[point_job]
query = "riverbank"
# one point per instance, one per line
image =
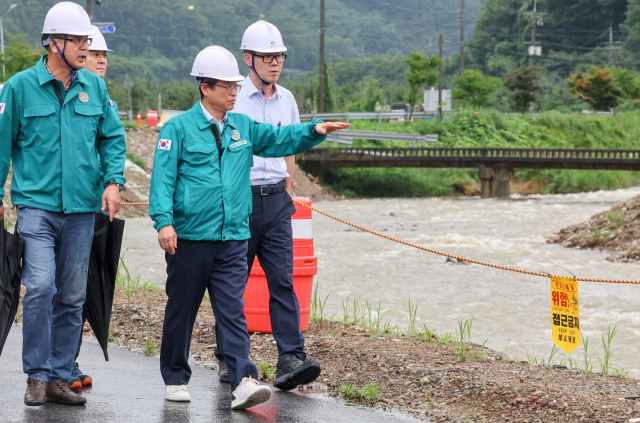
(615, 231)
(428, 375)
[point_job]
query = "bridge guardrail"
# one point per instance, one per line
(346, 116)
(346, 136)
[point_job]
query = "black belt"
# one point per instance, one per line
(269, 189)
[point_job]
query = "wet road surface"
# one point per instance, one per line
(129, 388)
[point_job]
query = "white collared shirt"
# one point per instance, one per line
(212, 119)
(279, 110)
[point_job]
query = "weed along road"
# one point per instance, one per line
(129, 392)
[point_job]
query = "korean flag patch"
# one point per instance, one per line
(2, 107)
(164, 145)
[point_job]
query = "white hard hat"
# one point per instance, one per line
(67, 18)
(263, 37)
(98, 43)
(218, 63)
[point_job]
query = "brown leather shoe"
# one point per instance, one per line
(36, 392)
(60, 393)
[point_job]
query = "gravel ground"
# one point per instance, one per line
(421, 377)
(616, 230)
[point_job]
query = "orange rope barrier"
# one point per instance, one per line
(495, 266)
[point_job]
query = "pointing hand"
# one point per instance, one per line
(329, 127)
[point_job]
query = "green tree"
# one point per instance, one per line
(420, 74)
(20, 55)
(371, 96)
(628, 81)
(329, 101)
(597, 87)
(523, 83)
(474, 88)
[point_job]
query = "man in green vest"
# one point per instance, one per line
(54, 119)
(200, 200)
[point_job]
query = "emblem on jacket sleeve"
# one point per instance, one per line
(2, 107)
(235, 135)
(84, 97)
(164, 145)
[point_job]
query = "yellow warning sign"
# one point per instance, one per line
(565, 316)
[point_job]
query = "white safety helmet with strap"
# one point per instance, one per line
(67, 18)
(217, 63)
(98, 43)
(262, 37)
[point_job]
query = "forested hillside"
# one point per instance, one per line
(159, 38)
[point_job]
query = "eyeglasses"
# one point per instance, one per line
(280, 58)
(77, 41)
(230, 88)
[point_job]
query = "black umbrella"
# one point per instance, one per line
(11, 247)
(101, 280)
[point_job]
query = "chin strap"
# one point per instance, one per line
(64, 47)
(253, 68)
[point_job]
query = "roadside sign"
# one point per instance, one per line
(128, 83)
(106, 27)
(565, 315)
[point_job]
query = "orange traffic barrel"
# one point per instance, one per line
(152, 118)
(139, 119)
(305, 266)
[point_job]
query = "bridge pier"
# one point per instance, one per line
(495, 182)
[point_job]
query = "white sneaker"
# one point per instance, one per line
(177, 393)
(249, 393)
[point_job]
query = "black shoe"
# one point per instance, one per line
(291, 372)
(223, 373)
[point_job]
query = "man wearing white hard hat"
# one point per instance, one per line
(53, 118)
(95, 62)
(200, 200)
(271, 178)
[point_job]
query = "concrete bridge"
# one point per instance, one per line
(495, 165)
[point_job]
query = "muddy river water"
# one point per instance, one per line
(511, 311)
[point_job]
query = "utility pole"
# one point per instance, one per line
(440, 80)
(322, 70)
(462, 38)
(362, 66)
(333, 79)
(88, 8)
(535, 13)
(612, 61)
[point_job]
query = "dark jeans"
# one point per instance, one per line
(221, 268)
(272, 241)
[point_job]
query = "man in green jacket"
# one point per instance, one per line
(54, 118)
(200, 200)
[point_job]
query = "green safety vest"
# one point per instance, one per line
(54, 148)
(204, 197)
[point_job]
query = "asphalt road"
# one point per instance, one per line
(129, 388)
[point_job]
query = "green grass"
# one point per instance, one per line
(137, 160)
(132, 284)
(368, 393)
(546, 130)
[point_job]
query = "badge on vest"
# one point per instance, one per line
(235, 135)
(164, 145)
(238, 144)
(84, 97)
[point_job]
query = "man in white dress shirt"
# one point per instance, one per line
(271, 236)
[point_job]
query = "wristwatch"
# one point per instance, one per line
(112, 182)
